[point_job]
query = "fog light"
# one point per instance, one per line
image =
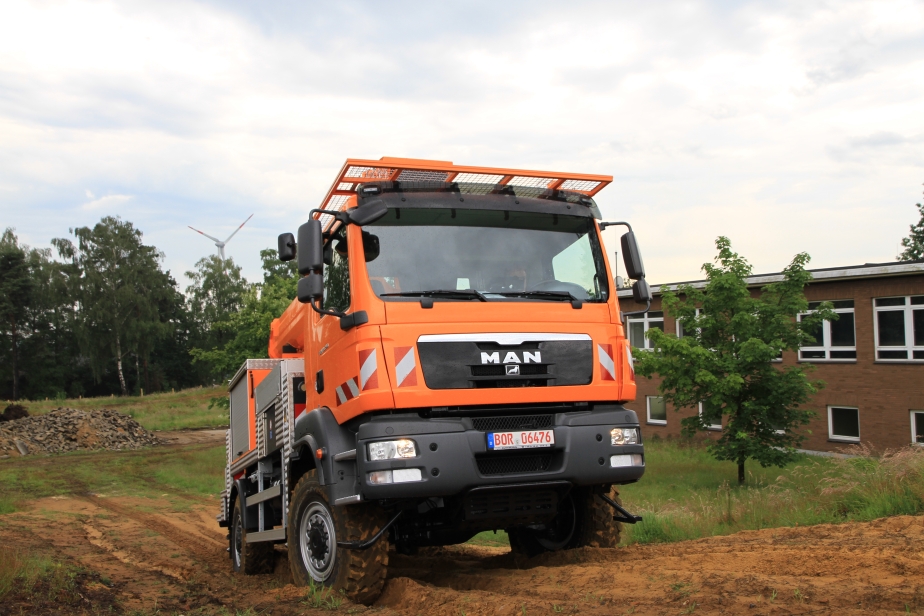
(624, 436)
(388, 450)
(626, 459)
(398, 475)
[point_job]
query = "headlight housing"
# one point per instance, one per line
(389, 450)
(624, 436)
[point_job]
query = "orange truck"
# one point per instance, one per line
(455, 363)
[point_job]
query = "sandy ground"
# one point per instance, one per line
(164, 558)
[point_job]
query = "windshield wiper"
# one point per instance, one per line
(555, 295)
(446, 293)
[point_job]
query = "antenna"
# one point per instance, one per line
(218, 243)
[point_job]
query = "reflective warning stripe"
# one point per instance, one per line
(347, 391)
(607, 366)
(631, 362)
(368, 369)
(405, 366)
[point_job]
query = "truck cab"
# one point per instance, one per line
(455, 362)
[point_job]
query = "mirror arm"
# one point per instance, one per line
(332, 313)
(627, 314)
(604, 225)
(347, 320)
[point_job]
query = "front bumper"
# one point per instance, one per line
(453, 456)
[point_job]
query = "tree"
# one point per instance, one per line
(16, 293)
(217, 291)
(250, 326)
(914, 243)
(725, 359)
(118, 284)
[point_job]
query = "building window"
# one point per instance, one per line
(917, 427)
(899, 328)
(657, 410)
(844, 424)
(834, 340)
(712, 420)
(680, 332)
(639, 326)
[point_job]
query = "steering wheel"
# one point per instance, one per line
(576, 290)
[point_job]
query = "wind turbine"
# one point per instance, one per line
(218, 242)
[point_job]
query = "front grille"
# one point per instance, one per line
(514, 464)
(516, 422)
(508, 382)
(516, 503)
(498, 370)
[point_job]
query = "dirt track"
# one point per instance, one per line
(159, 558)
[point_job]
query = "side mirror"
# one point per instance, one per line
(311, 287)
(641, 292)
(311, 244)
(371, 248)
(632, 256)
(368, 212)
(286, 247)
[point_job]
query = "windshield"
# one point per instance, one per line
(484, 255)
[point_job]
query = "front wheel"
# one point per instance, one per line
(314, 530)
(584, 520)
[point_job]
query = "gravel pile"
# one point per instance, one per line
(69, 430)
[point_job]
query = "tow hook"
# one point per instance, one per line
(365, 545)
(626, 517)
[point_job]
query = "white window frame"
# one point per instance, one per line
(715, 427)
(657, 422)
(826, 340)
(678, 326)
(838, 437)
(913, 431)
(909, 347)
(647, 321)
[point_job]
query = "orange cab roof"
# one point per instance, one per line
(387, 168)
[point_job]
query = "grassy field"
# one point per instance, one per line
(184, 409)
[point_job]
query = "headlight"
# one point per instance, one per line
(387, 450)
(624, 436)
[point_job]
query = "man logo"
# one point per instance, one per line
(511, 358)
(513, 370)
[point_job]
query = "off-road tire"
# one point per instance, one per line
(358, 574)
(593, 526)
(248, 558)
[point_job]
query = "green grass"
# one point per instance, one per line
(686, 494)
(22, 572)
(196, 471)
(491, 539)
(184, 409)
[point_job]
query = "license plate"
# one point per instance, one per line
(521, 439)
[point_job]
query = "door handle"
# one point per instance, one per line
(319, 382)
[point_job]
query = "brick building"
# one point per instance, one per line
(871, 358)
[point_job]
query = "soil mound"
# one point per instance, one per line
(69, 430)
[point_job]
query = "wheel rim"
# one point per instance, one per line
(318, 542)
(561, 530)
(237, 537)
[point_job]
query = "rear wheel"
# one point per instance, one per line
(248, 558)
(584, 520)
(314, 530)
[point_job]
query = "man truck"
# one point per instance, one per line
(455, 362)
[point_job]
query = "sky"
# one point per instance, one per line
(786, 126)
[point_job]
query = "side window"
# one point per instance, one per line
(710, 418)
(834, 340)
(917, 427)
(639, 326)
(337, 274)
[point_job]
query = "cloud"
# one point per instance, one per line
(106, 204)
(781, 124)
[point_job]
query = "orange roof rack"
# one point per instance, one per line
(389, 169)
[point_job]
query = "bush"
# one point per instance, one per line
(14, 411)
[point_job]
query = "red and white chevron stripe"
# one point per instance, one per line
(405, 366)
(368, 369)
(347, 391)
(607, 365)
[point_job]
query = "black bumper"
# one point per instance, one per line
(453, 457)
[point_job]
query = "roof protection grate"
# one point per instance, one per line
(479, 180)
